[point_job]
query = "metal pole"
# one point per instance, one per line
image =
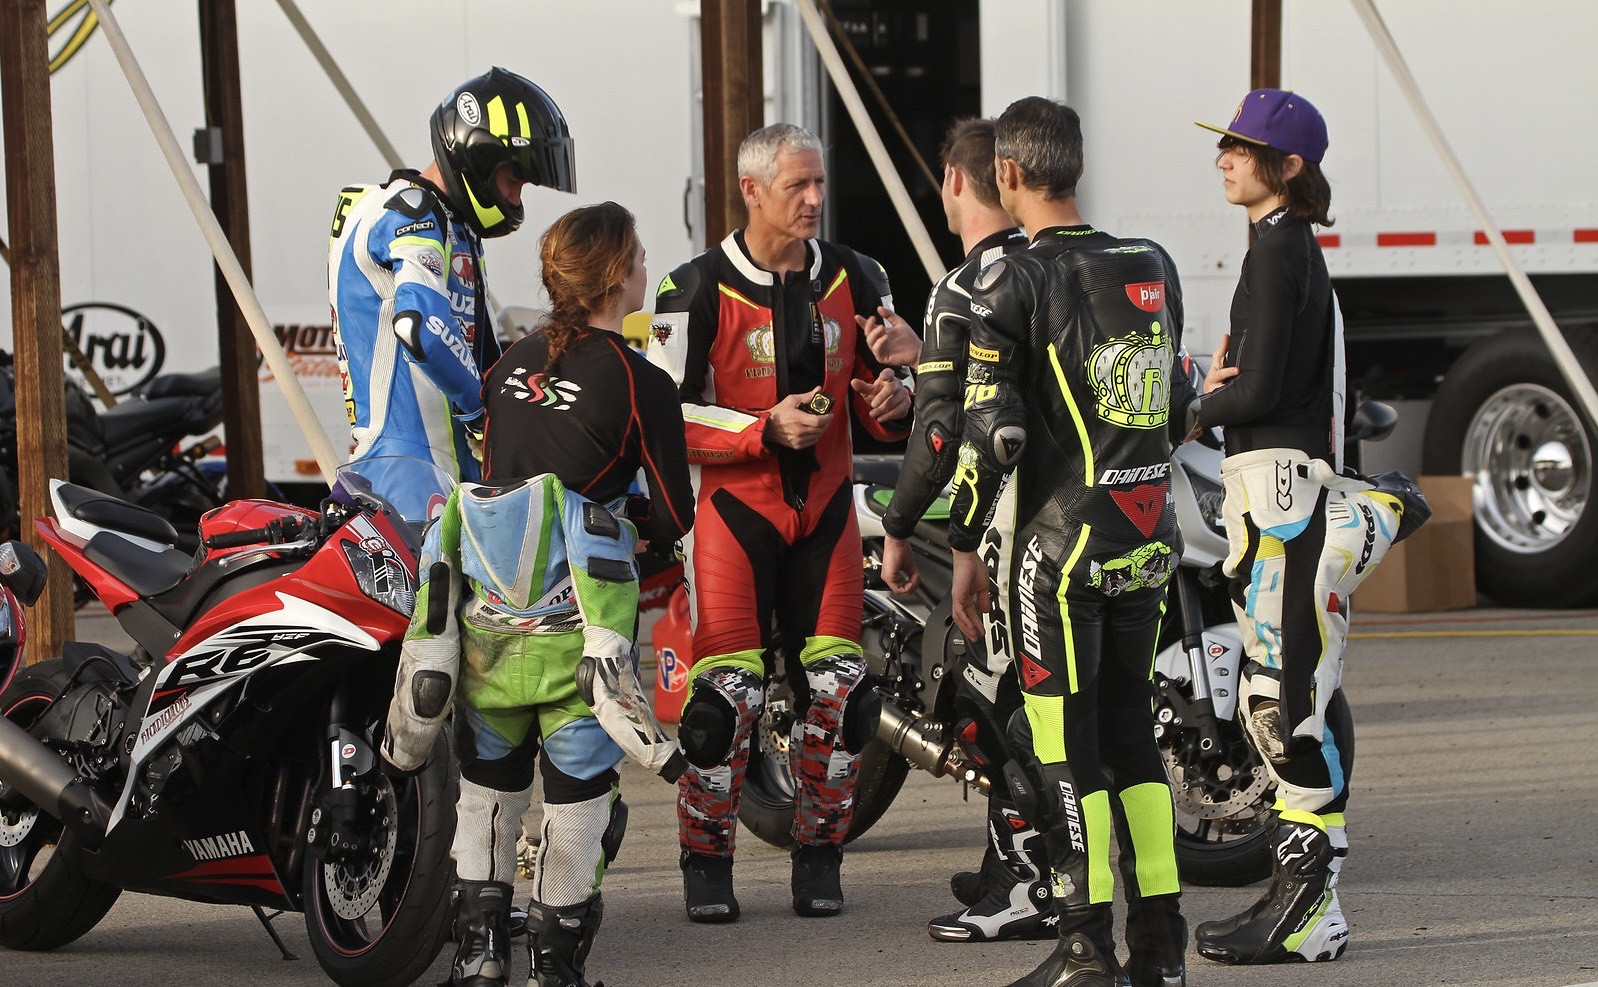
(1569, 366)
(254, 315)
(906, 209)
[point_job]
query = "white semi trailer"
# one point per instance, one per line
(1433, 323)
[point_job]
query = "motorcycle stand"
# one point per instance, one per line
(266, 923)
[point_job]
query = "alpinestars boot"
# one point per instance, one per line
(707, 887)
(558, 941)
(482, 916)
(1298, 919)
(816, 884)
(1014, 902)
(1084, 955)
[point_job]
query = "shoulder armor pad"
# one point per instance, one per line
(989, 277)
(677, 289)
(412, 202)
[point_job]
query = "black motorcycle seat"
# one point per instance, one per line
(139, 419)
(106, 511)
(880, 470)
(201, 384)
(145, 571)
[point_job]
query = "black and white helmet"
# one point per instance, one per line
(499, 119)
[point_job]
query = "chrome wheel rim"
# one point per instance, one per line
(1529, 457)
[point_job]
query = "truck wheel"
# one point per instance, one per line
(1505, 416)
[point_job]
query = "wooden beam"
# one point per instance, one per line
(241, 398)
(35, 298)
(1265, 45)
(733, 101)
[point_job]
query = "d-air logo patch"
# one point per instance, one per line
(661, 331)
(1147, 295)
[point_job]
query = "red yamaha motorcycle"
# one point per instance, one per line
(231, 757)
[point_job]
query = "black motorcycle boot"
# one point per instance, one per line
(1299, 919)
(558, 941)
(1156, 939)
(1015, 903)
(707, 887)
(482, 919)
(1156, 933)
(1084, 956)
(816, 883)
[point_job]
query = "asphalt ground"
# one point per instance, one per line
(1474, 854)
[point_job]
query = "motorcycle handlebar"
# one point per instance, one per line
(275, 532)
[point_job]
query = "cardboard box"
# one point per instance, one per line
(1434, 568)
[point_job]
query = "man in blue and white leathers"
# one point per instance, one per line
(410, 311)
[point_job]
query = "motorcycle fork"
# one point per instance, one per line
(1202, 707)
(335, 831)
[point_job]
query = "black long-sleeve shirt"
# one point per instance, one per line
(604, 413)
(1282, 344)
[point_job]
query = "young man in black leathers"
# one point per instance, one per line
(1069, 382)
(1008, 897)
(1301, 534)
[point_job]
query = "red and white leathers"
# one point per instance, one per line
(776, 536)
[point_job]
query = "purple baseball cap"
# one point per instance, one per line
(1279, 119)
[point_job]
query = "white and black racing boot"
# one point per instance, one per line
(558, 942)
(482, 918)
(1014, 900)
(1299, 919)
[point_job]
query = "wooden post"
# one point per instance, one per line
(733, 104)
(35, 298)
(1265, 45)
(241, 398)
(1264, 53)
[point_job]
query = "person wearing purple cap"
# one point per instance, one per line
(1276, 385)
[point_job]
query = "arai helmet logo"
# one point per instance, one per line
(466, 106)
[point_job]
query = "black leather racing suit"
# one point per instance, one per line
(1069, 383)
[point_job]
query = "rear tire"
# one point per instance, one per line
(377, 923)
(43, 904)
(1505, 416)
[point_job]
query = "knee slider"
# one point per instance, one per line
(722, 699)
(841, 676)
(431, 692)
(615, 831)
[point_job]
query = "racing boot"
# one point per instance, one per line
(482, 919)
(1299, 917)
(558, 941)
(968, 886)
(816, 885)
(1014, 902)
(1156, 933)
(1084, 955)
(707, 887)
(1156, 938)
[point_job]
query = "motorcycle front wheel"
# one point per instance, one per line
(769, 792)
(379, 917)
(44, 903)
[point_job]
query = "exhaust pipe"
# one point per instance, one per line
(39, 775)
(927, 744)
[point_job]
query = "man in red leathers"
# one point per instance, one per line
(760, 334)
